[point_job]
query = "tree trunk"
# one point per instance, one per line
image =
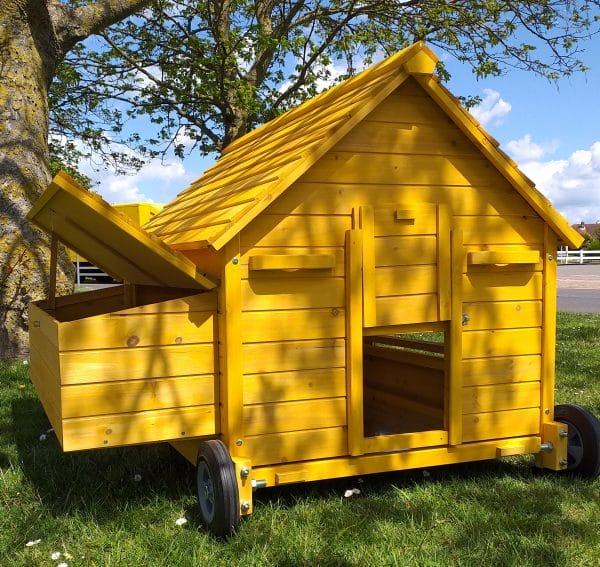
(28, 59)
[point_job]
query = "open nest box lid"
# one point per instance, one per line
(91, 227)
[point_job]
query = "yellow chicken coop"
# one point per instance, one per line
(366, 283)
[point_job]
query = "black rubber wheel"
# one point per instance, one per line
(583, 450)
(216, 487)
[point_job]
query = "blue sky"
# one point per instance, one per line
(552, 130)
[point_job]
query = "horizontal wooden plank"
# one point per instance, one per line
(141, 427)
(149, 302)
(405, 250)
(379, 168)
(404, 219)
(291, 262)
(293, 355)
(404, 361)
(414, 440)
(83, 400)
(387, 135)
(499, 370)
(509, 249)
(299, 324)
(500, 397)
(404, 108)
(294, 386)
(296, 230)
(495, 197)
(289, 292)
(337, 270)
(486, 257)
(405, 280)
(502, 315)
(262, 419)
(504, 342)
(405, 309)
(294, 446)
(506, 286)
(507, 229)
(117, 331)
(81, 367)
(501, 424)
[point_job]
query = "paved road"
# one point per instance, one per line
(579, 288)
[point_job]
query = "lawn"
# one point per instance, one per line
(120, 507)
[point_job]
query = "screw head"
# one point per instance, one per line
(564, 462)
(238, 442)
(235, 261)
(244, 472)
(245, 506)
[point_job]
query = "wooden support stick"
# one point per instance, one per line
(52, 275)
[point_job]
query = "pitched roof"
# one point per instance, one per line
(258, 167)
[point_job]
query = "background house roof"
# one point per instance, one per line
(258, 167)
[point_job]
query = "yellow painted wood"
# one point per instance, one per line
(367, 226)
(444, 263)
(405, 250)
(549, 326)
(438, 326)
(500, 370)
(505, 286)
(399, 220)
(406, 309)
(124, 249)
(120, 331)
(419, 360)
(320, 469)
(499, 397)
(406, 280)
(501, 162)
(406, 138)
(454, 369)
(495, 197)
(336, 253)
(372, 168)
(299, 324)
(509, 250)
(355, 295)
(140, 427)
(501, 424)
(503, 257)
(111, 365)
(291, 262)
(416, 440)
(503, 315)
(268, 387)
(285, 291)
(423, 63)
(230, 352)
(134, 396)
(301, 230)
(294, 416)
(294, 355)
(501, 230)
(292, 446)
(503, 342)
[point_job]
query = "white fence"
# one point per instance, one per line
(566, 256)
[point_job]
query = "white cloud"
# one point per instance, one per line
(492, 110)
(525, 149)
(572, 184)
(156, 181)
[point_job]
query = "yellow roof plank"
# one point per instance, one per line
(95, 230)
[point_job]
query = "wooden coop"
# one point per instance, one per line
(366, 283)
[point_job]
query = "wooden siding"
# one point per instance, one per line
(293, 323)
(503, 335)
(142, 374)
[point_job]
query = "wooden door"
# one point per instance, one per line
(406, 264)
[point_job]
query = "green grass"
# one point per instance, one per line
(89, 505)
